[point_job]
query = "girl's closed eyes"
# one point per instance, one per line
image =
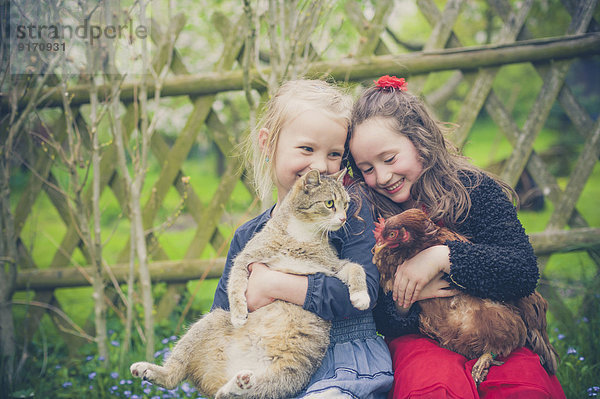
(390, 159)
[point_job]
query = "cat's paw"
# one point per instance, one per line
(360, 300)
(143, 371)
(244, 380)
(237, 386)
(238, 320)
(238, 313)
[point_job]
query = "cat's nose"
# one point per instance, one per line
(343, 220)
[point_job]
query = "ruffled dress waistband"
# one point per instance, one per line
(351, 328)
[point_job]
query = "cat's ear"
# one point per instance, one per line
(339, 176)
(311, 179)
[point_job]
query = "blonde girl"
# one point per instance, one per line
(305, 127)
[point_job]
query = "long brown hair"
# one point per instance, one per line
(439, 187)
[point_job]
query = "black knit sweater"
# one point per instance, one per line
(498, 263)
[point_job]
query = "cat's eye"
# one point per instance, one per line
(329, 204)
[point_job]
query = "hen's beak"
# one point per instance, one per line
(377, 248)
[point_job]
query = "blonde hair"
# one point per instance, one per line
(439, 187)
(291, 99)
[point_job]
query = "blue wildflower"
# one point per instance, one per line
(147, 391)
(173, 338)
(92, 375)
(67, 384)
(114, 375)
(185, 387)
(127, 393)
(146, 382)
(122, 382)
(561, 336)
(91, 387)
(115, 343)
(58, 366)
(88, 358)
(165, 340)
(585, 319)
(581, 358)
(571, 351)
(101, 358)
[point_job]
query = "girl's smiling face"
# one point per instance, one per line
(312, 140)
(389, 162)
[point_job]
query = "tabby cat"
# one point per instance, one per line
(272, 352)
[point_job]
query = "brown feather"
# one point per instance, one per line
(465, 324)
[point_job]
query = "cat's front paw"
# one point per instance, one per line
(238, 320)
(143, 371)
(360, 300)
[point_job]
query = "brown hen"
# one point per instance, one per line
(472, 326)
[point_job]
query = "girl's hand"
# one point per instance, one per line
(417, 272)
(437, 288)
(257, 294)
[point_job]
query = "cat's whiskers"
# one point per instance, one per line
(323, 228)
(346, 229)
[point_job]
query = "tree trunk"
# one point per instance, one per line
(99, 284)
(8, 273)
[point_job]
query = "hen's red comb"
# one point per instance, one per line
(379, 228)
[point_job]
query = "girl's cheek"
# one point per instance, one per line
(334, 166)
(370, 180)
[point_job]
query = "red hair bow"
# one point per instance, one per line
(391, 82)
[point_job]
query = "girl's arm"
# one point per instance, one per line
(499, 263)
(266, 285)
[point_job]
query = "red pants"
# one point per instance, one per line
(422, 369)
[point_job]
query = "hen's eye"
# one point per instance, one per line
(329, 204)
(393, 234)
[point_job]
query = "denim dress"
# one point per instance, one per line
(357, 363)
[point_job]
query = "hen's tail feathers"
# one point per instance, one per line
(533, 311)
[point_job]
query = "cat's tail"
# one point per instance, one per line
(533, 312)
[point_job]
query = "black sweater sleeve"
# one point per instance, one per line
(499, 263)
(392, 324)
